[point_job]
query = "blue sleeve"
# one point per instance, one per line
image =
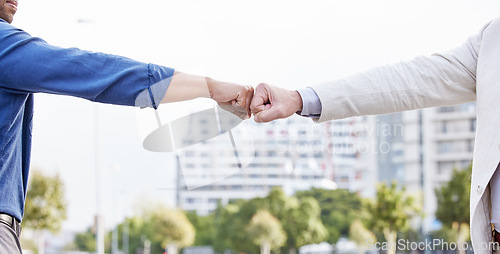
(311, 104)
(30, 65)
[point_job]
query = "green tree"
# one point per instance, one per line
(304, 226)
(159, 226)
(266, 231)
(300, 220)
(230, 222)
(339, 208)
(137, 231)
(455, 193)
(86, 241)
(172, 229)
(391, 212)
(361, 235)
(45, 207)
(204, 227)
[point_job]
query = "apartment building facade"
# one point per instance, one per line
(294, 154)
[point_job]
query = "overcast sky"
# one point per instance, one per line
(290, 44)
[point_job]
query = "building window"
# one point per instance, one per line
(213, 200)
(473, 125)
(470, 145)
(444, 147)
(191, 200)
(464, 164)
(256, 187)
(444, 167)
(444, 127)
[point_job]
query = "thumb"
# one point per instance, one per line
(260, 108)
(268, 115)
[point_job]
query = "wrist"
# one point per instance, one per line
(211, 85)
(296, 101)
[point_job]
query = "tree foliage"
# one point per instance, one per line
(159, 225)
(227, 228)
(230, 224)
(300, 219)
(339, 208)
(304, 226)
(172, 227)
(204, 227)
(137, 231)
(455, 193)
(86, 241)
(45, 207)
(391, 212)
(361, 235)
(266, 231)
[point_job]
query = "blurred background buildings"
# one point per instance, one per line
(418, 149)
(293, 154)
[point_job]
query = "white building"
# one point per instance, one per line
(431, 143)
(294, 154)
(448, 134)
(417, 148)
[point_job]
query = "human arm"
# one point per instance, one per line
(30, 65)
(231, 97)
(437, 80)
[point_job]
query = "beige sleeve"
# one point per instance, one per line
(441, 79)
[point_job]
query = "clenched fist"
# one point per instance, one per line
(270, 103)
(231, 97)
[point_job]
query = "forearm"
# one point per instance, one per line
(230, 96)
(421, 83)
(437, 80)
(186, 87)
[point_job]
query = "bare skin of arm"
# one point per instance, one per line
(232, 97)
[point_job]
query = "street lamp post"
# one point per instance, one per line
(98, 172)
